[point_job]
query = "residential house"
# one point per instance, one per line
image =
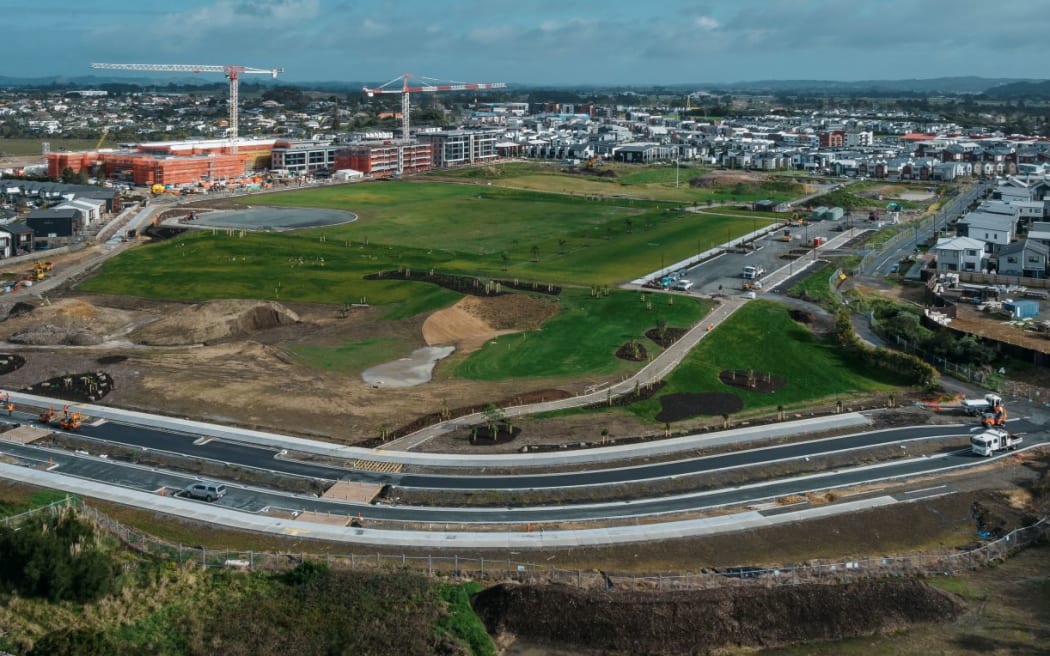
(1027, 258)
(21, 238)
(995, 230)
(52, 227)
(959, 254)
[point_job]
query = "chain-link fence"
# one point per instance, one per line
(51, 509)
(943, 562)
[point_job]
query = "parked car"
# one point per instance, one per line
(205, 491)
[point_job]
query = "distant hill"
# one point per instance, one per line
(1027, 89)
(968, 84)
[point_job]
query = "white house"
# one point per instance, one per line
(959, 254)
(995, 230)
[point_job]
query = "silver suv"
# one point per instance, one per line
(206, 491)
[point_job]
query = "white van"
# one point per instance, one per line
(682, 285)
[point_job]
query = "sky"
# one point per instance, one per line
(556, 42)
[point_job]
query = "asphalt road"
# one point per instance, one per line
(197, 446)
(256, 500)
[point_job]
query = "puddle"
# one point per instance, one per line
(408, 372)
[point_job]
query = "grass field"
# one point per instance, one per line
(583, 337)
(656, 182)
(448, 228)
(25, 147)
(813, 369)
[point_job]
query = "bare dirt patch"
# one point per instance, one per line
(473, 320)
(684, 405)
(700, 622)
(632, 351)
(213, 321)
(68, 321)
(726, 178)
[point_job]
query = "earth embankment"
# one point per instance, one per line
(703, 621)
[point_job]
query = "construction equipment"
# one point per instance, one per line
(785, 236)
(427, 85)
(70, 421)
(48, 416)
(993, 440)
(995, 417)
(232, 73)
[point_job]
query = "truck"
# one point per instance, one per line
(752, 272)
(992, 441)
(981, 406)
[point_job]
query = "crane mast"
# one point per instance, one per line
(427, 86)
(231, 72)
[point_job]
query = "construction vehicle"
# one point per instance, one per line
(995, 417)
(785, 236)
(994, 440)
(981, 406)
(751, 272)
(48, 416)
(70, 421)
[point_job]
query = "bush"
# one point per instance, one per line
(56, 558)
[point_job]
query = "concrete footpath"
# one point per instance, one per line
(651, 373)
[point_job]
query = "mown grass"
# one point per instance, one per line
(352, 356)
(656, 182)
(423, 227)
(815, 287)
(24, 147)
(582, 337)
(761, 336)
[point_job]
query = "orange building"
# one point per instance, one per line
(381, 159)
(166, 162)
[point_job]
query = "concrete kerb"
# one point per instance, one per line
(276, 441)
(235, 519)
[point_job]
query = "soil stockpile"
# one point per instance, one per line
(213, 321)
(699, 622)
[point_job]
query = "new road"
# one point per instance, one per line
(244, 455)
(256, 500)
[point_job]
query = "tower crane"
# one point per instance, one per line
(427, 84)
(232, 73)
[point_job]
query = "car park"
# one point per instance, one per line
(205, 491)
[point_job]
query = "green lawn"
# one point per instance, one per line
(812, 368)
(582, 337)
(655, 182)
(352, 356)
(24, 147)
(448, 228)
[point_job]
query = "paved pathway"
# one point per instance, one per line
(655, 371)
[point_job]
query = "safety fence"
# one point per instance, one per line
(53, 508)
(928, 563)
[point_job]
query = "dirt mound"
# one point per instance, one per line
(70, 322)
(19, 309)
(51, 335)
(726, 178)
(702, 621)
(684, 405)
(213, 321)
(474, 320)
